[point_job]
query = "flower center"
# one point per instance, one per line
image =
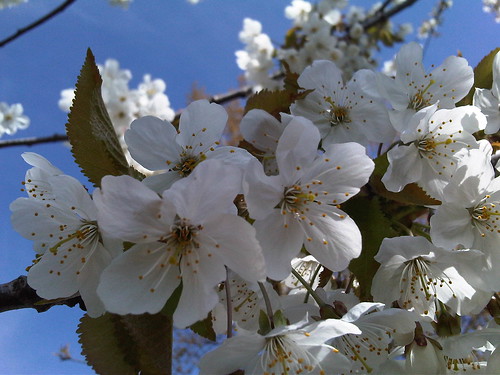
(283, 356)
(337, 114)
(87, 232)
(181, 239)
(187, 163)
(419, 101)
(294, 198)
(485, 216)
(420, 277)
(428, 146)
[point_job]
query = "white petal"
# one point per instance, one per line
(138, 281)
(151, 142)
(451, 225)
(339, 173)
(70, 191)
(297, 148)
(238, 246)
(261, 130)
(279, 243)
(235, 353)
(210, 189)
(262, 193)
(323, 75)
(334, 239)
(404, 168)
(201, 125)
(138, 218)
(454, 78)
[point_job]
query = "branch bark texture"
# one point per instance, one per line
(17, 294)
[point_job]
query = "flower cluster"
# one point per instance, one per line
(125, 104)
(268, 237)
(492, 6)
(10, 3)
(327, 30)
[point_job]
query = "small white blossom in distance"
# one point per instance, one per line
(12, 118)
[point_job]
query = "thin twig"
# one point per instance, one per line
(381, 17)
(37, 23)
(33, 140)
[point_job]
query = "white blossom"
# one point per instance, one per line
(419, 275)
(298, 206)
(12, 118)
(187, 236)
(341, 112)
(413, 89)
(435, 141)
(293, 349)
(158, 146)
(65, 231)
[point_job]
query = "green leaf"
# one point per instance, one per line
(152, 336)
(411, 194)
(277, 101)
(172, 302)
(272, 102)
(264, 323)
(204, 328)
(374, 227)
(130, 344)
(103, 342)
(94, 143)
(483, 77)
(324, 277)
(279, 319)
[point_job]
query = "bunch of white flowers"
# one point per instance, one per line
(492, 6)
(327, 30)
(267, 238)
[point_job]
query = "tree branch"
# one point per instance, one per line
(17, 294)
(37, 23)
(385, 15)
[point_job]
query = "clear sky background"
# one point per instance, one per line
(170, 39)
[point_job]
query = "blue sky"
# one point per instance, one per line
(172, 40)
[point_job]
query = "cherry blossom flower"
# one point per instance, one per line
(489, 100)
(413, 89)
(158, 146)
(469, 214)
(419, 275)
(369, 349)
(187, 236)
(292, 349)
(342, 113)
(12, 118)
(434, 143)
(65, 231)
(298, 206)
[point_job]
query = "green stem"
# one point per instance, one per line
(311, 291)
(267, 301)
(315, 274)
